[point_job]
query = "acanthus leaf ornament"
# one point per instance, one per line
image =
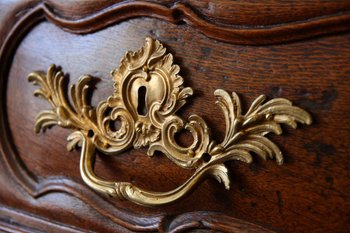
(152, 70)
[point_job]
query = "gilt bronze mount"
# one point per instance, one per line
(152, 70)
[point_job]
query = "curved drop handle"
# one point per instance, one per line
(152, 68)
(128, 191)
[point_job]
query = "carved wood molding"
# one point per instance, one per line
(27, 222)
(12, 220)
(178, 13)
(205, 220)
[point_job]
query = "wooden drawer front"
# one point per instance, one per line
(302, 54)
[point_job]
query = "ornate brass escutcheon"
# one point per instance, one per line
(147, 93)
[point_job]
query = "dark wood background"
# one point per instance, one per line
(299, 50)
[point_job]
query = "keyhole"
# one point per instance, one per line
(141, 106)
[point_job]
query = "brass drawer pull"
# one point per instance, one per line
(147, 93)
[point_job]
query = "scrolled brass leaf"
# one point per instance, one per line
(153, 69)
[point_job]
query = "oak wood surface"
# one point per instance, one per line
(309, 193)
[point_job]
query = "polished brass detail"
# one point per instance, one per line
(155, 124)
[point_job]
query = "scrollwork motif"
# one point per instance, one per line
(152, 68)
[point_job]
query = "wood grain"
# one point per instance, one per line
(12, 220)
(308, 194)
(95, 16)
(242, 13)
(180, 12)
